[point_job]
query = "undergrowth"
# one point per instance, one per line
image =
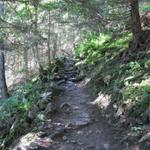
(14, 110)
(127, 83)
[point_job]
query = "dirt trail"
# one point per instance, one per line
(90, 132)
(76, 125)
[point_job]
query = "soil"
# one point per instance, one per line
(91, 131)
(77, 125)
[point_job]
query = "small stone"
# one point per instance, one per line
(45, 95)
(40, 127)
(33, 146)
(79, 132)
(49, 126)
(68, 142)
(80, 143)
(65, 107)
(76, 108)
(42, 134)
(57, 91)
(90, 147)
(42, 104)
(49, 109)
(83, 119)
(106, 146)
(31, 115)
(98, 131)
(73, 141)
(64, 138)
(59, 132)
(146, 137)
(90, 132)
(18, 148)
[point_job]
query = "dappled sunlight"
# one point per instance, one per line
(33, 141)
(103, 101)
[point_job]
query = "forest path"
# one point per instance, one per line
(76, 125)
(88, 130)
(85, 129)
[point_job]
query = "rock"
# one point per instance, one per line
(65, 107)
(42, 134)
(77, 79)
(46, 95)
(33, 146)
(90, 147)
(73, 142)
(106, 146)
(61, 82)
(119, 111)
(42, 104)
(59, 132)
(57, 91)
(64, 138)
(25, 125)
(25, 141)
(15, 124)
(144, 138)
(32, 114)
(50, 109)
(41, 117)
(82, 120)
(80, 143)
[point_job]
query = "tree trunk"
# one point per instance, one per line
(3, 86)
(48, 40)
(35, 47)
(135, 20)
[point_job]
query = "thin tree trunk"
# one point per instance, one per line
(25, 56)
(55, 45)
(3, 86)
(48, 40)
(35, 47)
(135, 20)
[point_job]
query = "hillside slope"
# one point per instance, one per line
(119, 81)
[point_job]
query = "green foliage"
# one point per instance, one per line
(134, 66)
(73, 8)
(54, 66)
(21, 101)
(146, 7)
(49, 6)
(127, 83)
(147, 64)
(99, 47)
(21, 70)
(23, 98)
(137, 131)
(25, 11)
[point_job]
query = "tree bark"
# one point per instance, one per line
(135, 20)
(48, 40)
(3, 86)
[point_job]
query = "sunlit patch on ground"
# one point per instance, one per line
(33, 141)
(103, 101)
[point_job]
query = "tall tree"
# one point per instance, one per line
(3, 86)
(135, 20)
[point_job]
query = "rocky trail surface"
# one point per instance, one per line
(76, 125)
